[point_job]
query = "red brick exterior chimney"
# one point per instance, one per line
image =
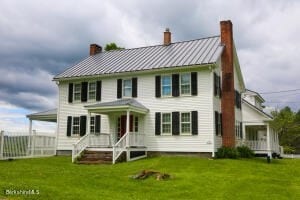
(95, 49)
(167, 37)
(228, 94)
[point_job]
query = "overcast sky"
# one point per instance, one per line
(40, 39)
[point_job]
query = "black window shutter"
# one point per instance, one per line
(157, 123)
(194, 83)
(70, 98)
(84, 89)
(175, 123)
(219, 86)
(157, 86)
(215, 84)
(194, 122)
(216, 122)
(241, 130)
(119, 88)
(97, 123)
(175, 85)
(82, 125)
(235, 98)
(134, 87)
(221, 118)
(69, 126)
(98, 90)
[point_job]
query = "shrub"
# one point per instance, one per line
(245, 152)
(288, 149)
(227, 152)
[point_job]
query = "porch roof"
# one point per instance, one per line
(118, 105)
(48, 116)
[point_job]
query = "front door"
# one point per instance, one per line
(122, 125)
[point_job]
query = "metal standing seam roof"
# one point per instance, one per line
(121, 102)
(186, 53)
(44, 113)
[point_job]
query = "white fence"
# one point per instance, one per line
(15, 145)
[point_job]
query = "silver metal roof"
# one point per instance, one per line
(187, 53)
(49, 115)
(121, 102)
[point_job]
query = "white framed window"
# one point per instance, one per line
(166, 124)
(92, 91)
(127, 88)
(166, 85)
(76, 126)
(77, 91)
(92, 125)
(185, 122)
(136, 124)
(237, 129)
(185, 84)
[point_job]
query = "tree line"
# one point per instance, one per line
(287, 124)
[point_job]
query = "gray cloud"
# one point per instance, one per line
(40, 39)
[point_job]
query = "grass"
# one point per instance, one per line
(192, 178)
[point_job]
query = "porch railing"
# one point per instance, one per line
(90, 140)
(15, 145)
(120, 147)
(136, 139)
(256, 145)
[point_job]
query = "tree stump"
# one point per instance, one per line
(146, 173)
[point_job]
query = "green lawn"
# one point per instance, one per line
(192, 178)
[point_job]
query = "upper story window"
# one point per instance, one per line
(166, 85)
(238, 100)
(166, 123)
(77, 91)
(84, 91)
(92, 90)
(185, 84)
(185, 123)
(217, 85)
(127, 88)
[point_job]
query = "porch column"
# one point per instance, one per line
(30, 141)
(244, 133)
(127, 127)
(269, 141)
(88, 127)
(30, 126)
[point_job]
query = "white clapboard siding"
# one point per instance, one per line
(203, 103)
(71, 109)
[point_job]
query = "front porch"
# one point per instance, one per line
(261, 138)
(125, 137)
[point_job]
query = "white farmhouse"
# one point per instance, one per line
(177, 97)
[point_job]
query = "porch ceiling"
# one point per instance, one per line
(48, 116)
(117, 106)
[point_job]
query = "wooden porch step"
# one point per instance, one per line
(95, 162)
(95, 157)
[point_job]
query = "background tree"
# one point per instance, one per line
(287, 124)
(112, 46)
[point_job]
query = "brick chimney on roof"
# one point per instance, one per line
(167, 37)
(228, 94)
(95, 49)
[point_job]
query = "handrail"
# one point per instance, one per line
(119, 147)
(90, 140)
(79, 146)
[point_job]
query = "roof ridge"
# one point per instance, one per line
(157, 45)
